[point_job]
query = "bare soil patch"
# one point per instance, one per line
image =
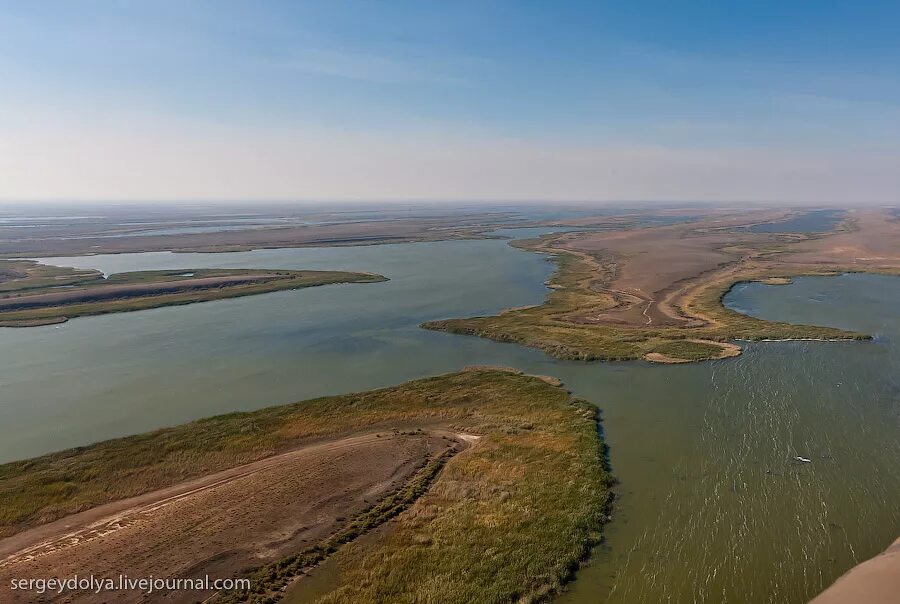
(647, 265)
(221, 524)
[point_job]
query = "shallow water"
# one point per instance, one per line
(814, 221)
(533, 232)
(99, 377)
(181, 230)
(712, 507)
(519, 232)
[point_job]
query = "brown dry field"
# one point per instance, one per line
(873, 243)
(650, 275)
(221, 524)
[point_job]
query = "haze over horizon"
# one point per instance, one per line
(359, 101)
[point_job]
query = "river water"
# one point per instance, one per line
(712, 505)
(814, 221)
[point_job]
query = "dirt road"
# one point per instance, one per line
(220, 524)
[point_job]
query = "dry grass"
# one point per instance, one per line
(510, 519)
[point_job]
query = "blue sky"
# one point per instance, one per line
(538, 100)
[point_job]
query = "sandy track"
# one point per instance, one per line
(219, 524)
(651, 263)
(637, 273)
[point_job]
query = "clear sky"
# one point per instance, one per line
(531, 100)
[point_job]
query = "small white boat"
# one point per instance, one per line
(803, 459)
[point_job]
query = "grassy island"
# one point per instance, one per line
(506, 491)
(35, 294)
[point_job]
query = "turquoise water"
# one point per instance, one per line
(712, 506)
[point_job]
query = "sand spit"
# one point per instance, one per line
(728, 351)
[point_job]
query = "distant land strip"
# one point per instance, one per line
(33, 294)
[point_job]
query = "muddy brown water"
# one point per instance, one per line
(713, 506)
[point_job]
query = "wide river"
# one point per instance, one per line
(712, 505)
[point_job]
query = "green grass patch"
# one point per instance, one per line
(688, 351)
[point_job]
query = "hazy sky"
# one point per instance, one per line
(696, 100)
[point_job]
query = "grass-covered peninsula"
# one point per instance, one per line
(548, 326)
(657, 293)
(34, 294)
(509, 493)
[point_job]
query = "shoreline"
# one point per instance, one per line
(729, 351)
